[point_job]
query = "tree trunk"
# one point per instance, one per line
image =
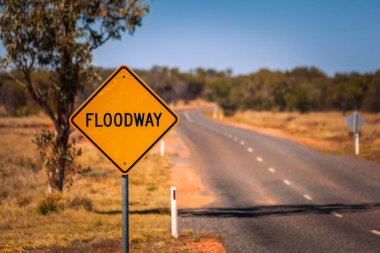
(63, 156)
(61, 167)
(59, 159)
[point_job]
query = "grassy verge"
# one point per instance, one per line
(87, 216)
(323, 131)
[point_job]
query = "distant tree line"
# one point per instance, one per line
(301, 89)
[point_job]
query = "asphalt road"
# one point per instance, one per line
(274, 195)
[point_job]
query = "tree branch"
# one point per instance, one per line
(36, 96)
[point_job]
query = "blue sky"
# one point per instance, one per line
(333, 35)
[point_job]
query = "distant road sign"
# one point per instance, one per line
(355, 121)
(124, 118)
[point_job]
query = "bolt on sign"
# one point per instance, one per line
(124, 118)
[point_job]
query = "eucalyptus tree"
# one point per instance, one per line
(60, 36)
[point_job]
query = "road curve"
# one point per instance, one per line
(274, 195)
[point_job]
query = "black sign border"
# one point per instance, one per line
(96, 93)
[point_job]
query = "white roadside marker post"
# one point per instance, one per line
(355, 121)
(162, 148)
(220, 114)
(357, 143)
(215, 112)
(173, 201)
(356, 132)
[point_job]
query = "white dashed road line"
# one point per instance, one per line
(337, 214)
(272, 170)
(307, 197)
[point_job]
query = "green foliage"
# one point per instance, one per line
(224, 92)
(172, 85)
(371, 101)
(12, 96)
(52, 155)
(301, 89)
(303, 97)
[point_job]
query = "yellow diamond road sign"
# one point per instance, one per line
(124, 118)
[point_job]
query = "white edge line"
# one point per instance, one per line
(287, 182)
(376, 232)
(259, 159)
(250, 150)
(271, 169)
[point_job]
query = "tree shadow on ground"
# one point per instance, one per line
(276, 210)
(162, 210)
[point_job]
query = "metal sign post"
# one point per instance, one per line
(124, 119)
(125, 214)
(356, 116)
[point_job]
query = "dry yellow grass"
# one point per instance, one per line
(78, 228)
(324, 131)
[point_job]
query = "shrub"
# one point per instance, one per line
(196, 237)
(50, 203)
(152, 187)
(78, 202)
